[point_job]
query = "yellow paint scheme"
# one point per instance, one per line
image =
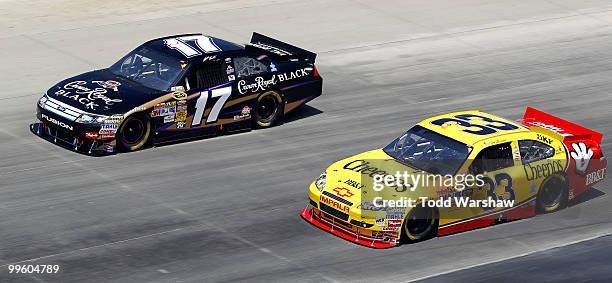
(525, 184)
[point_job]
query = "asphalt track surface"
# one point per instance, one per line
(226, 208)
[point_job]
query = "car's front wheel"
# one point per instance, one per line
(268, 109)
(420, 224)
(552, 195)
(133, 133)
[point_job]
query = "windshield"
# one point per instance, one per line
(428, 151)
(150, 68)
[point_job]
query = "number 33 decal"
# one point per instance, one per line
(508, 189)
(222, 93)
(463, 120)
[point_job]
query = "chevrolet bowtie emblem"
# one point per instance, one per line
(343, 192)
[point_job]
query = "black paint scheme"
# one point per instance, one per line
(187, 72)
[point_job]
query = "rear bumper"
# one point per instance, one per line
(353, 233)
(73, 142)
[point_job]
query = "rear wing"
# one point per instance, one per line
(278, 49)
(536, 118)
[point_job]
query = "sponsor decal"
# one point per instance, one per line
(272, 49)
(91, 135)
(443, 192)
(354, 184)
(394, 223)
(394, 213)
(380, 222)
(57, 122)
(109, 147)
(390, 229)
(364, 167)
(334, 203)
(107, 136)
(114, 85)
(179, 95)
(209, 58)
(596, 176)
(91, 98)
(164, 109)
(273, 67)
(261, 84)
(542, 170)
(582, 156)
(229, 70)
(244, 114)
(292, 75)
(231, 77)
(544, 139)
(110, 126)
(377, 234)
(552, 128)
(181, 116)
(516, 154)
(180, 125)
(343, 192)
(169, 118)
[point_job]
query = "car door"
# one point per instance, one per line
(208, 90)
(500, 169)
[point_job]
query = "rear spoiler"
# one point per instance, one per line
(278, 49)
(536, 118)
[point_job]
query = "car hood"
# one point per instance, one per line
(102, 92)
(352, 179)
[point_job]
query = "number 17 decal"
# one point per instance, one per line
(222, 93)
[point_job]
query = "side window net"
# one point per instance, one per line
(208, 75)
(534, 150)
(493, 158)
(247, 66)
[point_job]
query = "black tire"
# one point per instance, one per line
(133, 133)
(420, 224)
(553, 194)
(268, 109)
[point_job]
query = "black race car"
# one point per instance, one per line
(178, 87)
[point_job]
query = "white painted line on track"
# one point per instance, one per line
(510, 257)
(96, 246)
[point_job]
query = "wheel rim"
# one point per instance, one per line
(267, 108)
(419, 221)
(133, 131)
(552, 193)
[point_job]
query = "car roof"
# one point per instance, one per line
(455, 131)
(222, 45)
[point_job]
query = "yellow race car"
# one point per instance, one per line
(456, 172)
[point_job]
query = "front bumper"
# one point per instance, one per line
(347, 231)
(73, 142)
(58, 124)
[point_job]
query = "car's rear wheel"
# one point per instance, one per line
(552, 195)
(420, 224)
(268, 109)
(133, 133)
